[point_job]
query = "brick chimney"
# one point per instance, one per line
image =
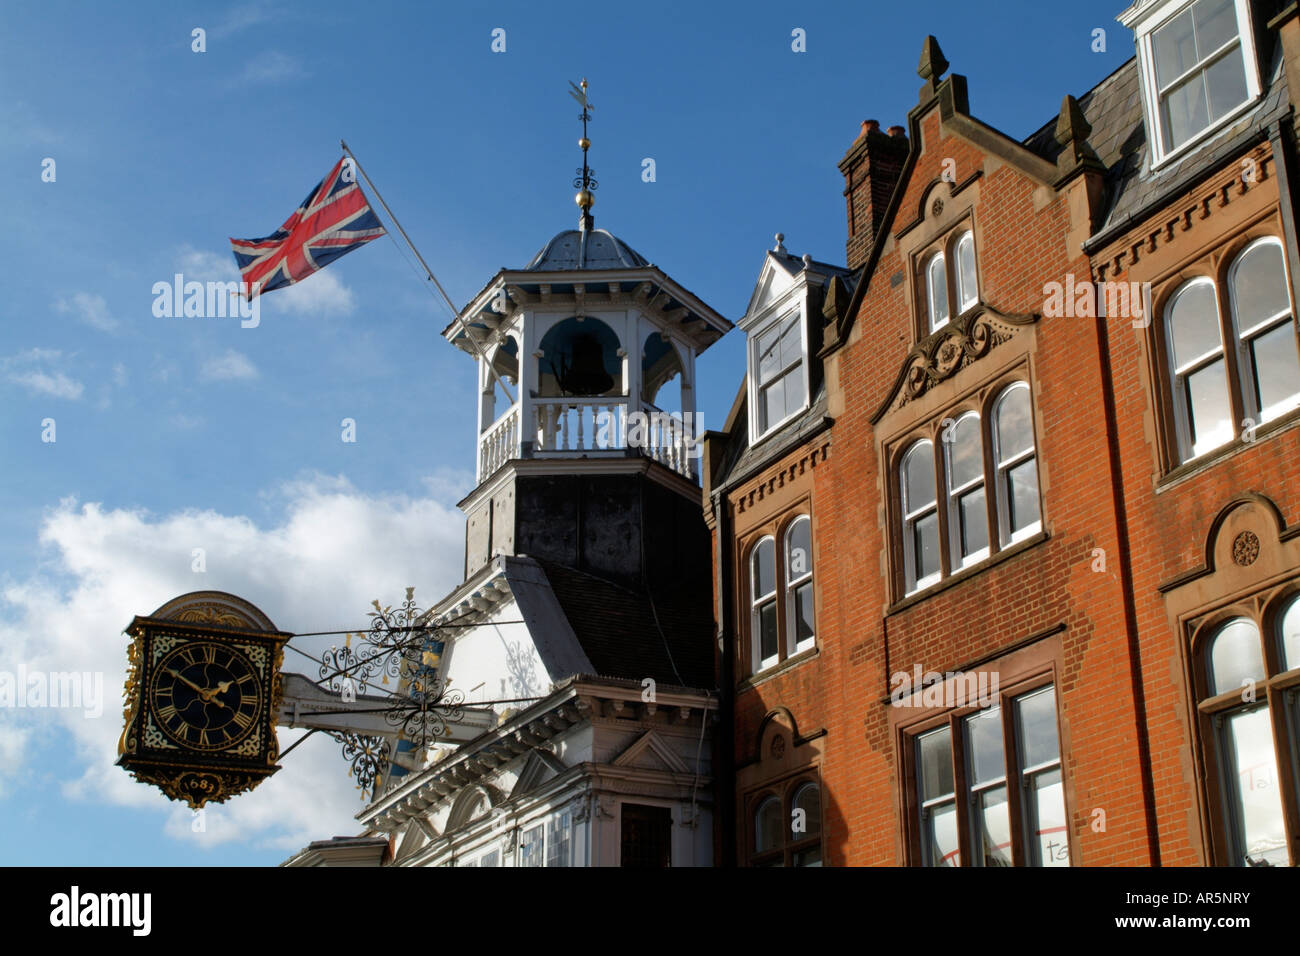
(871, 168)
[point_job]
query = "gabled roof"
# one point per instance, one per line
(781, 271)
(742, 458)
(1114, 111)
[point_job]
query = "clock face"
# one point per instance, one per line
(205, 696)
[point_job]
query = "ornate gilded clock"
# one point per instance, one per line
(202, 698)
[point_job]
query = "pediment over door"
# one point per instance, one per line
(649, 752)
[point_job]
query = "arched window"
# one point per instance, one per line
(1288, 638)
(806, 807)
(768, 826)
(800, 619)
(936, 286)
(968, 521)
(1266, 339)
(1016, 464)
(1241, 729)
(788, 833)
(1202, 411)
(920, 516)
(967, 286)
(762, 585)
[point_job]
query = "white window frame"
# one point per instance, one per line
(1242, 337)
(560, 823)
(966, 298)
(1001, 466)
(911, 516)
(955, 495)
(756, 604)
(1156, 16)
(1178, 374)
(792, 584)
(756, 387)
(940, 260)
(540, 829)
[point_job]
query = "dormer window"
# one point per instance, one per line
(1198, 70)
(949, 292)
(779, 372)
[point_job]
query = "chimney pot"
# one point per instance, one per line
(895, 131)
(869, 126)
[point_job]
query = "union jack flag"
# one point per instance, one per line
(333, 220)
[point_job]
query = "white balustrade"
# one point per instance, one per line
(499, 443)
(571, 425)
(563, 427)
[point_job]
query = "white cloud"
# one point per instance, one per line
(58, 384)
(203, 265)
(240, 18)
(270, 67)
(230, 366)
(31, 370)
(319, 294)
(334, 551)
(89, 308)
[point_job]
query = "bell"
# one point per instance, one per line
(585, 375)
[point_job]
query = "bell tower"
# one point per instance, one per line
(587, 449)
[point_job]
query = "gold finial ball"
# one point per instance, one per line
(584, 143)
(584, 199)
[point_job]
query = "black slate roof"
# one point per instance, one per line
(1113, 109)
(743, 458)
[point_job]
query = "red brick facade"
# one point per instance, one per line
(1108, 598)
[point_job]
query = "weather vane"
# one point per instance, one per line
(585, 181)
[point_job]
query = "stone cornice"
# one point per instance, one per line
(793, 466)
(1183, 213)
(576, 701)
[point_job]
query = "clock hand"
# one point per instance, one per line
(209, 694)
(183, 679)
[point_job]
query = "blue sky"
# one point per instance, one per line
(175, 433)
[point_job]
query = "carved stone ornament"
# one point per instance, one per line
(1245, 548)
(944, 353)
(778, 747)
(936, 207)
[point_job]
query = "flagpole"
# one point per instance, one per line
(429, 272)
